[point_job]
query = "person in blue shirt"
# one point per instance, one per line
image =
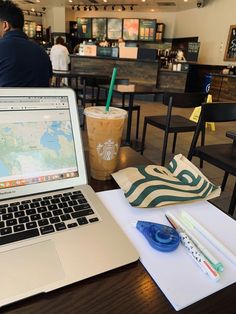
(23, 63)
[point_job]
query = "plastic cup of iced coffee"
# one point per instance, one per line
(104, 131)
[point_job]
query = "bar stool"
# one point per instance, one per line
(123, 105)
(90, 87)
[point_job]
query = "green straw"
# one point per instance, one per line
(113, 79)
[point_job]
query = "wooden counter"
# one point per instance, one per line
(223, 87)
(137, 71)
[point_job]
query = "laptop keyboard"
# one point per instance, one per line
(40, 216)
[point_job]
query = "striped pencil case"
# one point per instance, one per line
(155, 186)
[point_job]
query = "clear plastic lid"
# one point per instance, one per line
(100, 112)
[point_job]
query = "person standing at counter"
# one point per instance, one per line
(22, 62)
(59, 56)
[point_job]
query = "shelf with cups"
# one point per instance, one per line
(160, 32)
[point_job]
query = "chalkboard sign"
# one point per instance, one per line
(192, 51)
(230, 51)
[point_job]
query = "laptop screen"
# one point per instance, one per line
(36, 140)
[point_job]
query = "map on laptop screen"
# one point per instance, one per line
(36, 142)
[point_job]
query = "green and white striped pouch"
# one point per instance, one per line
(155, 186)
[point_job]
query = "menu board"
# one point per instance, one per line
(99, 28)
(84, 28)
(147, 30)
(130, 29)
(230, 51)
(114, 28)
(192, 52)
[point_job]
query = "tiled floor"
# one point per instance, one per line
(154, 140)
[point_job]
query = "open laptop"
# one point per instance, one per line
(53, 228)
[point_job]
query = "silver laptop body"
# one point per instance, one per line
(41, 160)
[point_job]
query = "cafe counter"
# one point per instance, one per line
(223, 87)
(145, 72)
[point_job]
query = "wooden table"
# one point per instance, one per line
(131, 90)
(59, 75)
(128, 289)
(232, 135)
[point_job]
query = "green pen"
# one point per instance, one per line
(218, 266)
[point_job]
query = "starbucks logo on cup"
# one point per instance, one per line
(108, 150)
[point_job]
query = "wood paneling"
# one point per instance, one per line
(223, 88)
(172, 80)
(137, 71)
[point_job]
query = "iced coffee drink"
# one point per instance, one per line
(104, 136)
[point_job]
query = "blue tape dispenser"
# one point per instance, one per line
(161, 237)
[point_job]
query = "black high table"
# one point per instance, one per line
(59, 75)
(131, 90)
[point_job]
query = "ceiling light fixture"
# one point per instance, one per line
(33, 13)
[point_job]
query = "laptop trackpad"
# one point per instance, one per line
(28, 270)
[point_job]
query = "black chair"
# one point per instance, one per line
(123, 105)
(90, 89)
(222, 156)
(174, 123)
(71, 78)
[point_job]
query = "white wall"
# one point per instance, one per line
(211, 24)
(70, 16)
(55, 17)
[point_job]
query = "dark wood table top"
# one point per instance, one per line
(223, 75)
(128, 289)
(134, 89)
(231, 134)
(72, 74)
